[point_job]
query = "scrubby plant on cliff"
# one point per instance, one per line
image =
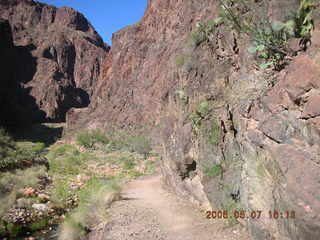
(182, 96)
(214, 136)
(303, 20)
(214, 171)
(205, 31)
(270, 43)
(206, 34)
(269, 39)
(200, 113)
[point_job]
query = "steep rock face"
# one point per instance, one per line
(58, 56)
(279, 138)
(233, 137)
(139, 72)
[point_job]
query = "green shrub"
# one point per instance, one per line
(94, 199)
(197, 38)
(182, 96)
(196, 119)
(231, 207)
(133, 173)
(303, 19)
(139, 144)
(150, 167)
(214, 136)
(128, 162)
(62, 150)
(14, 230)
(66, 159)
(204, 32)
(89, 139)
(38, 148)
(202, 110)
(132, 143)
(11, 183)
(10, 155)
(269, 39)
(270, 42)
(60, 192)
(39, 225)
(67, 165)
(215, 171)
(3, 230)
(17, 155)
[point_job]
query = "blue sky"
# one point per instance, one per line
(107, 16)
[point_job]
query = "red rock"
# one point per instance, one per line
(312, 106)
(58, 57)
(29, 192)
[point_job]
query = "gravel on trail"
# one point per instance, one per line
(148, 212)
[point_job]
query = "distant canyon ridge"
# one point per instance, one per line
(52, 61)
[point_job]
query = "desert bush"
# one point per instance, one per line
(215, 171)
(201, 111)
(34, 148)
(94, 200)
(231, 206)
(205, 31)
(138, 144)
(303, 19)
(8, 151)
(269, 39)
(60, 192)
(127, 162)
(182, 96)
(130, 142)
(215, 131)
(13, 155)
(11, 184)
(66, 159)
(89, 139)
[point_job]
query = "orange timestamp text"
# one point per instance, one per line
(252, 214)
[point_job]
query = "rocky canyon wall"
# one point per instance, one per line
(232, 136)
(56, 58)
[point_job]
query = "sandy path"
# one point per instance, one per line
(151, 213)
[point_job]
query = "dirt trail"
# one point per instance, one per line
(148, 212)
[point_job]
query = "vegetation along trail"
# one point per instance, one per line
(147, 211)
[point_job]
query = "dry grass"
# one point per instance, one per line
(95, 198)
(12, 184)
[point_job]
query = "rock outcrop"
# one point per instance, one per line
(140, 70)
(57, 57)
(233, 136)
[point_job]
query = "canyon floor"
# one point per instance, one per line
(148, 211)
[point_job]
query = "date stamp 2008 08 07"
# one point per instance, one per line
(257, 214)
